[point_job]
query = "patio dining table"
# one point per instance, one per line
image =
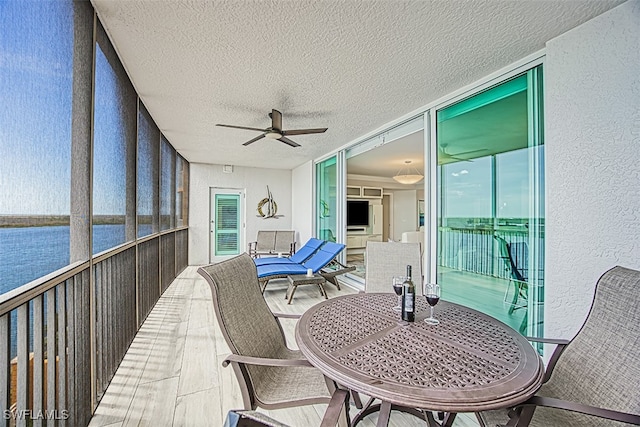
(470, 362)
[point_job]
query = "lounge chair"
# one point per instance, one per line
(299, 257)
(319, 260)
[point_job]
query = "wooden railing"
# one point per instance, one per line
(93, 307)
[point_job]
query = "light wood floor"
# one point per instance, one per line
(172, 374)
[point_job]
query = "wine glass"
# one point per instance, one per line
(432, 293)
(397, 288)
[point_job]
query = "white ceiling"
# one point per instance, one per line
(348, 65)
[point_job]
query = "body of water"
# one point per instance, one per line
(28, 253)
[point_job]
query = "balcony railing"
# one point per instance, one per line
(89, 308)
(475, 250)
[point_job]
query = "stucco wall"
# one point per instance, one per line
(592, 137)
(302, 192)
(254, 182)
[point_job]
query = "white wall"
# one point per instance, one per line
(405, 212)
(302, 192)
(254, 182)
(592, 140)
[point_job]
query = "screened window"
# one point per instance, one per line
(36, 68)
(182, 191)
(148, 165)
(114, 132)
(167, 188)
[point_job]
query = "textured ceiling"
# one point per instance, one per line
(351, 65)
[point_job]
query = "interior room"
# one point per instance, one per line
(152, 153)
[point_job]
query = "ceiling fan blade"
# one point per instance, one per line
(460, 159)
(253, 140)
(303, 131)
(276, 119)
(240, 127)
(464, 153)
(288, 141)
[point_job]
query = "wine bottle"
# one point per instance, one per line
(408, 298)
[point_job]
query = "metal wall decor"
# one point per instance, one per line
(267, 207)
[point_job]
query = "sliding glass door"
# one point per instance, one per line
(490, 202)
(327, 199)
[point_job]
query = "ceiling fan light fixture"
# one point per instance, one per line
(273, 135)
(408, 175)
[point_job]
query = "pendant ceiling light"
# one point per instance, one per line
(408, 174)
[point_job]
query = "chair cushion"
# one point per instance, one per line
(280, 269)
(318, 260)
(278, 384)
(302, 254)
(323, 256)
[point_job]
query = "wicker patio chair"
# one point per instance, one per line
(594, 379)
(384, 260)
(239, 418)
(270, 374)
(263, 245)
(285, 243)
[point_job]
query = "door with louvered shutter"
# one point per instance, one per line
(226, 224)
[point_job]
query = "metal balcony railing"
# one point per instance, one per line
(475, 250)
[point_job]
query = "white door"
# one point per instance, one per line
(227, 223)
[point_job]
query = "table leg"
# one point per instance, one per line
(383, 415)
(345, 419)
(449, 418)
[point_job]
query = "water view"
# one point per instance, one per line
(28, 253)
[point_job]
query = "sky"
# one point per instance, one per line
(35, 107)
(36, 54)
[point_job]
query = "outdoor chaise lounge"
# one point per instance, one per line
(318, 263)
(299, 257)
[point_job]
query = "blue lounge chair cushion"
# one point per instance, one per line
(318, 260)
(280, 269)
(323, 256)
(301, 254)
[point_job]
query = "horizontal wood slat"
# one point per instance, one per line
(46, 341)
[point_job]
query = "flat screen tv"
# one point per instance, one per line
(357, 213)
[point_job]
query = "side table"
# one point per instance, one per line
(302, 279)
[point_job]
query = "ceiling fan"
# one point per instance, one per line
(275, 130)
(445, 157)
